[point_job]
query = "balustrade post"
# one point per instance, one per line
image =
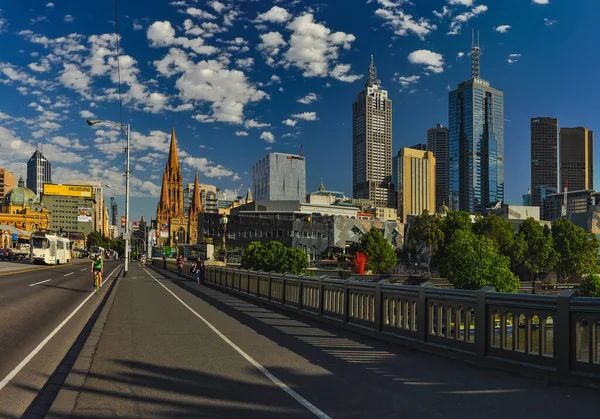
(483, 325)
(563, 338)
(300, 293)
(347, 300)
(422, 311)
(378, 304)
(283, 289)
(269, 287)
(321, 294)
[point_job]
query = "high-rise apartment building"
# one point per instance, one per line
(279, 177)
(114, 211)
(475, 143)
(413, 176)
(437, 143)
(372, 143)
(39, 171)
(208, 197)
(544, 156)
(8, 181)
(576, 158)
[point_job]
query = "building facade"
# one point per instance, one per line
(8, 181)
(475, 143)
(437, 142)
(114, 212)
(372, 143)
(279, 177)
(174, 225)
(576, 158)
(544, 155)
(414, 182)
(577, 202)
(67, 213)
(22, 210)
(208, 197)
(39, 171)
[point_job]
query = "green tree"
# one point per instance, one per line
(455, 221)
(381, 257)
(275, 257)
(590, 285)
(539, 254)
(94, 239)
(500, 232)
(577, 249)
(472, 262)
(426, 236)
(296, 261)
(253, 257)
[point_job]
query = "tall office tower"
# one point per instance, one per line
(437, 142)
(475, 142)
(279, 177)
(39, 171)
(544, 156)
(114, 211)
(413, 176)
(576, 158)
(372, 143)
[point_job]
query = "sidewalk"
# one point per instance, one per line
(157, 358)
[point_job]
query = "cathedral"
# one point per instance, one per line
(174, 226)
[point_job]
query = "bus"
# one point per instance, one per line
(49, 249)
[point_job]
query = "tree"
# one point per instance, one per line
(539, 254)
(501, 233)
(472, 262)
(253, 257)
(455, 221)
(577, 249)
(590, 285)
(296, 261)
(426, 236)
(381, 257)
(275, 257)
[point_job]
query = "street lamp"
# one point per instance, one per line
(127, 129)
(223, 221)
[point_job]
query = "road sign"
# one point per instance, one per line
(125, 236)
(15, 237)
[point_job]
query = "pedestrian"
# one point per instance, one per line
(198, 269)
(180, 264)
(194, 268)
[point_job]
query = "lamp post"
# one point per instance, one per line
(223, 221)
(127, 129)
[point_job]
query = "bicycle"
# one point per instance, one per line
(97, 283)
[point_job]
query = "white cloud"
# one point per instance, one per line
(245, 62)
(162, 34)
(460, 55)
(229, 18)
(340, 72)
(513, 58)
(4, 116)
(432, 61)
(267, 136)
(50, 5)
(446, 11)
(217, 6)
(307, 116)
(461, 2)
(251, 123)
(49, 125)
(3, 24)
(309, 98)
(541, 1)
(402, 23)
(73, 78)
(207, 168)
(289, 122)
(502, 28)
(68, 18)
(459, 20)
(192, 11)
(241, 133)
(275, 78)
(313, 47)
(176, 61)
(276, 15)
(204, 118)
(228, 91)
(137, 26)
(42, 67)
(271, 43)
(406, 81)
(38, 19)
(86, 114)
(547, 22)
(68, 143)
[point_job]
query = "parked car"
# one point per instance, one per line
(7, 253)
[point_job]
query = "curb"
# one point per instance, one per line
(67, 396)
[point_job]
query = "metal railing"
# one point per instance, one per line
(558, 335)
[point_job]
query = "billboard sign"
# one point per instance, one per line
(68, 190)
(164, 230)
(135, 225)
(123, 221)
(84, 215)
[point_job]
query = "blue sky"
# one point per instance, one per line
(241, 78)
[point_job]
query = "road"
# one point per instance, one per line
(166, 352)
(33, 303)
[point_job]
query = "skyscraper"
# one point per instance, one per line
(413, 177)
(437, 142)
(279, 177)
(577, 158)
(544, 156)
(39, 171)
(475, 142)
(372, 142)
(114, 211)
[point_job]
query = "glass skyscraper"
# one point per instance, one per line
(39, 171)
(475, 143)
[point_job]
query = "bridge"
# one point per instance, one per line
(254, 344)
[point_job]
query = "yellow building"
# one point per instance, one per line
(8, 181)
(414, 182)
(21, 209)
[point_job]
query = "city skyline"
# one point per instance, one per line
(47, 99)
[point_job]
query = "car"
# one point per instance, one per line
(7, 253)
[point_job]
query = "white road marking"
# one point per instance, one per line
(70, 273)
(84, 269)
(308, 405)
(41, 282)
(43, 343)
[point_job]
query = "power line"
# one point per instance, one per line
(119, 76)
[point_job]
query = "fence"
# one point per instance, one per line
(554, 335)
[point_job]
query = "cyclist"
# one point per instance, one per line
(97, 269)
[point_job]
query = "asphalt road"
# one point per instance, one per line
(168, 353)
(29, 314)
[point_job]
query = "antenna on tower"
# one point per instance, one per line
(372, 75)
(475, 54)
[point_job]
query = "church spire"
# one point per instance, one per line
(248, 196)
(196, 206)
(173, 161)
(164, 193)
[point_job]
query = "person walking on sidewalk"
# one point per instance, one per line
(180, 265)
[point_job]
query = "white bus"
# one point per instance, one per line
(49, 249)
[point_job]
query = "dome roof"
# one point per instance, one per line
(21, 195)
(443, 209)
